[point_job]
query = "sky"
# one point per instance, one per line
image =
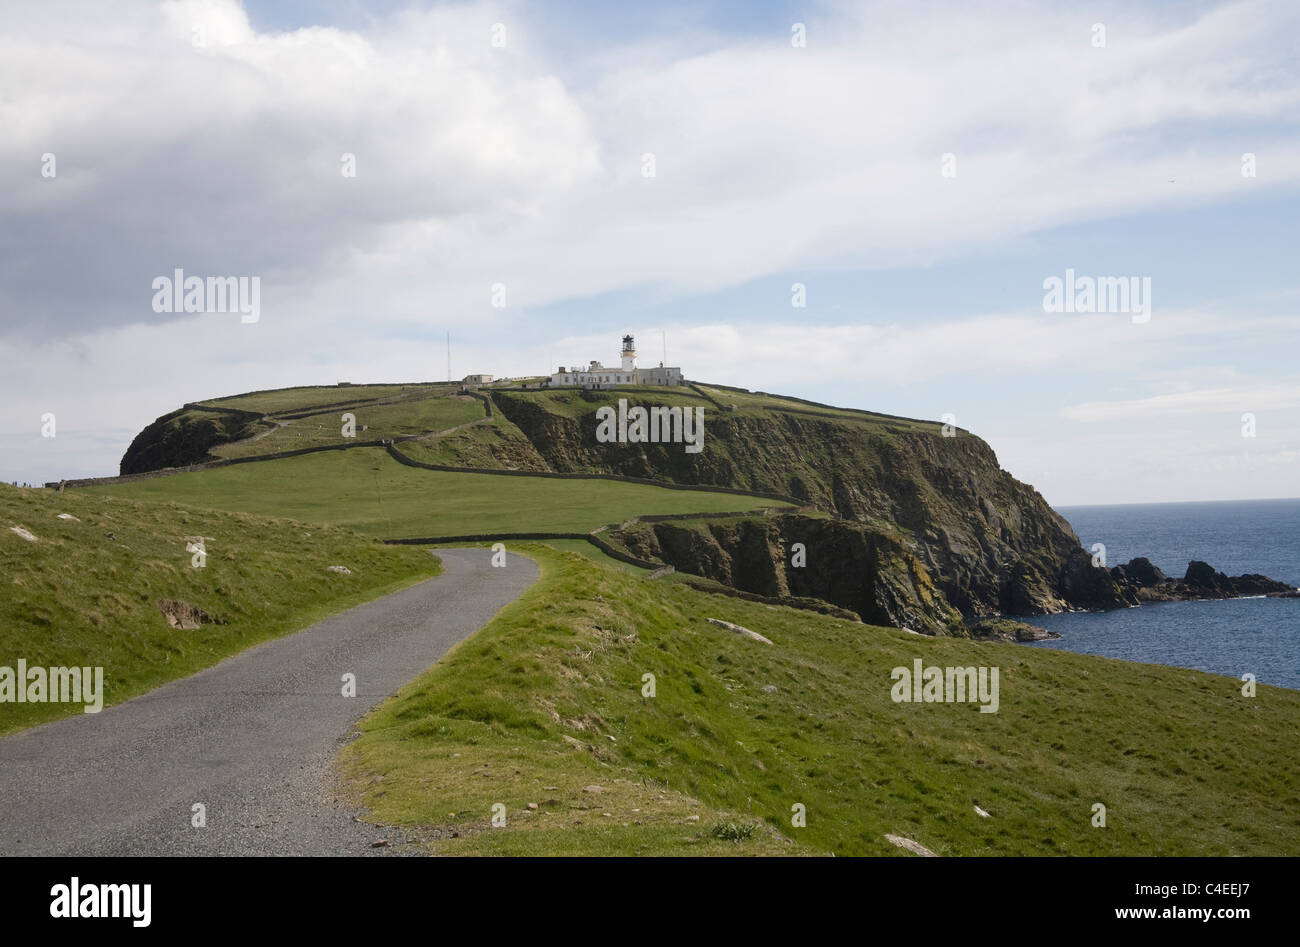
(861, 204)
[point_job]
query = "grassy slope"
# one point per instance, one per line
(574, 403)
(379, 421)
(748, 402)
(300, 399)
(367, 490)
(498, 444)
(587, 550)
(1183, 762)
(76, 597)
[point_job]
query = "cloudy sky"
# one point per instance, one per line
(920, 168)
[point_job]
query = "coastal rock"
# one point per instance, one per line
(872, 574)
(1142, 571)
(1006, 629)
(1092, 587)
(1203, 581)
(1202, 576)
(1254, 584)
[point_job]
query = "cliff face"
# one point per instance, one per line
(918, 501)
(869, 572)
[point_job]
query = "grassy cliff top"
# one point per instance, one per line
(548, 705)
(367, 490)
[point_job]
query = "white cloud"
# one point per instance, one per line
(478, 165)
(1200, 402)
(896, 353)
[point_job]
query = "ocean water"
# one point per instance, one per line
(1233, 636)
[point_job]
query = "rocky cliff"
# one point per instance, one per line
(906, 502)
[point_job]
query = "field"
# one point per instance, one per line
(575, 403)
(496, 445)
(546, 706)
(87, 591)
(372, 422)
(755, 403)
(365, 489)
(301, 399)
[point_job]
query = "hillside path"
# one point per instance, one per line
(252, 739)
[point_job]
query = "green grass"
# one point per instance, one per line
(300, 399)
(594, 553)
(373, 422)
(497, 445)
(578, 403)
(367, 490)
(578, 546)
(754, 403)
(547, 700)
(79, 597)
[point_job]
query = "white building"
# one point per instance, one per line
(476, 380)
(597, 375)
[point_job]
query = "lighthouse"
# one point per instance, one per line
(597, 375)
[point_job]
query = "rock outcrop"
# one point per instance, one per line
(1005, 629)
(868, 571)
(1201, 581)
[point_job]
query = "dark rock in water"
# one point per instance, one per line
(1289, 593)
(1203, 581)
(1142, 571)
(1005, 629)
(1253, 583)
(1093, 587)
(1202, 575)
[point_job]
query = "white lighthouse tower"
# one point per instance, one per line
(629, 354)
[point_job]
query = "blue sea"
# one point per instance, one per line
(1233, 636)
